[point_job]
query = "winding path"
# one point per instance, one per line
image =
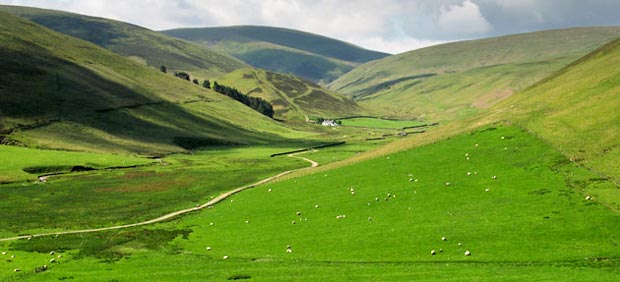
(172, 214)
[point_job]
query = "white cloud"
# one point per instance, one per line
(463, 20)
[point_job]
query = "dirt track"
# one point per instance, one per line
(172, 214)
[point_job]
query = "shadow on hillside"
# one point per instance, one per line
(38, 87)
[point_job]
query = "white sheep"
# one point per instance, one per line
(487, 190)
(369, 218)
(448, 183)
(316, 206)
(3, 253)
(225, 257)
(211, 223)
(467, 253)
(52, 260)
(269, 190)
(12, 256)
(433, 252)
(17, 270)
(494, 177)
(468, 173)
(444, 238)
(208, 248)
(293, 222)
(298, 213)
(247, 221)
(588, 198)
(353, 193)
(289, 250)
(51, 253)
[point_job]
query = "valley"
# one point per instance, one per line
(129, 154)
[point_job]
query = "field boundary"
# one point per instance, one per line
(175, 214)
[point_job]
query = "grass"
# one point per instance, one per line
(380, 123)
(307, 55)
(16, 159)
(103, 198)
(456, 80)
(529, 225)
(143, 45)
(293, 98)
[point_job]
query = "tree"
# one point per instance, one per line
(195, 81)
(206, 84)
(182, 75)
(163, 69)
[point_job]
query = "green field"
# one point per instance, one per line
(380, 123)
(532, 223)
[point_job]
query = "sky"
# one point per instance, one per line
(391, 26)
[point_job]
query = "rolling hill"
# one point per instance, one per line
(58, 91)
(293, 98)
(456, 80)
(311, 56)
(138, 43)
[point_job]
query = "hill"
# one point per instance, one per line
(459, 79)
(292, 97)
(138, 43)
(311, 56)
(576, 110)
(62, 92)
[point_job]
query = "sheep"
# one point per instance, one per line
(352, 190)
(467, 253)
(12, 256)
(441, 250)
(17, 270)
(467, 154)
(476, 145)
(487, 190)
(3, 253)
(208, 248)
(503, 137)
(467, 158)
(588, 198)
(293, 222)
(448, 183)
(52, 260)
(51, 253)
(459, 244)
(369, 218)
(494, 177)
(444, 238)
(211, 223)
(410, 179)
(377, 199)
(316, 206)
(225, 257)
(468, 173)
(247, 222)
(353, 193)
(289, 250)
(433, 252)
(298, 213)
(59, 256)
(269, 190)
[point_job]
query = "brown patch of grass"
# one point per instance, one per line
(492, 98)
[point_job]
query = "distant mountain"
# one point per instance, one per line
(311, 56)
(138, 43)
(455, 80)
(57, 91)
(293, 98)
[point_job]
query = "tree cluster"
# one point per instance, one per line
(182, 75)
(255, 103)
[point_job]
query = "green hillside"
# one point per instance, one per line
(61, 92)
(292, 97)
(138, 43)
(459, 79)
(307, 55)
(576, 110)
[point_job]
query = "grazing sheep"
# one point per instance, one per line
(51, 253)
(487, 190)
(12, 256)
(377, 199)
(467, 154)
(467, 253)
(415, 180)
(468, 173)
(503, 137)
(476, 145)
(225, 257)
(289, 250)
(298, 213)
(467, 158)
(433, 252)
(269, 190)
(448, 183)
(59, 256)
(211, 224)
(293, 222)
(494, 177)
(441, 250)
(17, 270)
(29, 238)
(316, 206)
(369, 218)
(410, 179)
(352, 190)
(52, 260)
(3, 253)
(247, 221)
(444, 239)
(353, 193)
(208, 248)
(588, 198)
(459, 244)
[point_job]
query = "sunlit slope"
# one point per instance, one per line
(140, 44)
(576, 110)
(293, 98)
(307, 55)
(458, 79)
(61, 92)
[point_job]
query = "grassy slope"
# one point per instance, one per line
(576, 110)
(304, 54)
(529, 225)
(143, 45)
(456, 80)
(292, 97)
(72, 94)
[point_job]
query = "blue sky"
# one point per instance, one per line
(391, 26)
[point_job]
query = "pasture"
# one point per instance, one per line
(517, 205)
(371, 122)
